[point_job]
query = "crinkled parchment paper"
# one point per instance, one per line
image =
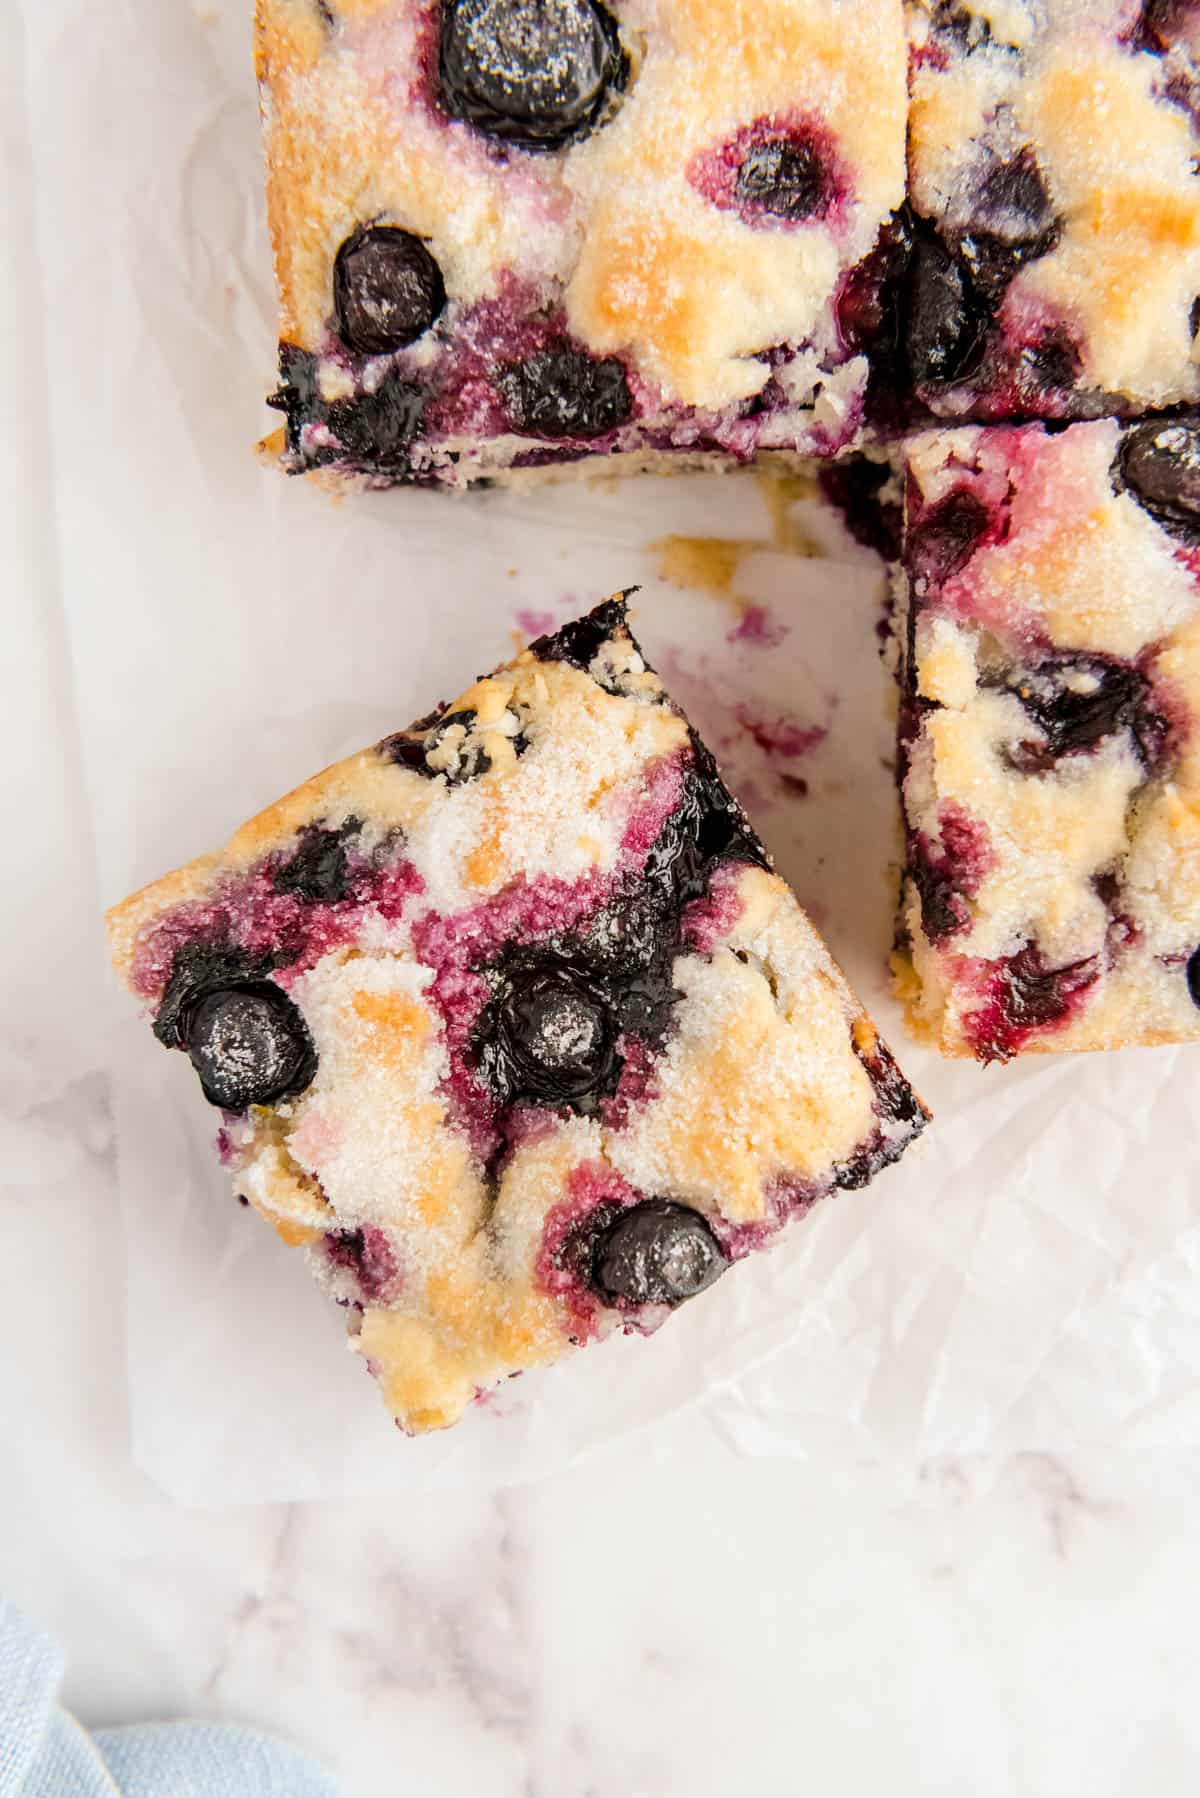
(1027, 1277)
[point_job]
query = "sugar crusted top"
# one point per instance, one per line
(556, 829)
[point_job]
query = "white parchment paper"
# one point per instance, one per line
(1025, 1279)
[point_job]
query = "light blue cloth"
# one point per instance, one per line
(45, 1754)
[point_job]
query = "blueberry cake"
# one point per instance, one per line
(513, 233)
(513, 1026)
(1049, 751)
(1053, 235)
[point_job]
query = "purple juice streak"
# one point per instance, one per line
(368, 1254)
(780, 737)
(949, 871)
(535, 624)
(246, 913)
(636, 1087)
(758, 629)
(661, 790)
(1021, 997)
(712, 919)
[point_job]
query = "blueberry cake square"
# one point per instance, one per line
(512, 1025)
(1049, 748)
(1054, 181)
(512, 233)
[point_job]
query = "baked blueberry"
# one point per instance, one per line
(1160, 462)
(372, 430)
(1078, 704)
(375, 429)
(657, 1253)
(562, 392)
(549, 1037)
(250, 1046)
(317, 872)
(534, 73)
(387, 290)
(1193, 976)
(945, 319)
(1014, 190)
(991, 261)
(944, 540)
(786, 178)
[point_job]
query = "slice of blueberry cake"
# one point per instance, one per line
(511, 233)
(1054, 232)
(512, 1025)
(1049, 748)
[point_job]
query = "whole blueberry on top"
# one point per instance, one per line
(250, 1046)
(387, 290)
(551, 1037)
(1160, 462)
(786, 179)
(657, 1253)
(534, 73)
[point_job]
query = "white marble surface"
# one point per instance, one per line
(672, 1616)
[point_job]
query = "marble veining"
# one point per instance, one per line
(691, 1613)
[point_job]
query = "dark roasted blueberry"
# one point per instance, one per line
(250, 1046)
(550, 1037)
(1160, 24)
(948, 871)
(787, 179)
(317, 872)
(964, 24)
(387, 290)
(944, 909)
(946, 320)
(1052, 362)
(657, 1253)
(1015, 190)
(1193, 976)
(534, 73)
(375, 429)
(854, 487)
(1077, 705)
(581, 641)
(407, 747)
(1034, 995)
(1160, 462)
(707, 827)
(868, 304)
(296, 395)
(991, 261)
(449, 750)
(562, 392)
(409, 752)
(371, 429)
(200, 969)
(944, 539)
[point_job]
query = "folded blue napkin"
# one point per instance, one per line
(45, 1754)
